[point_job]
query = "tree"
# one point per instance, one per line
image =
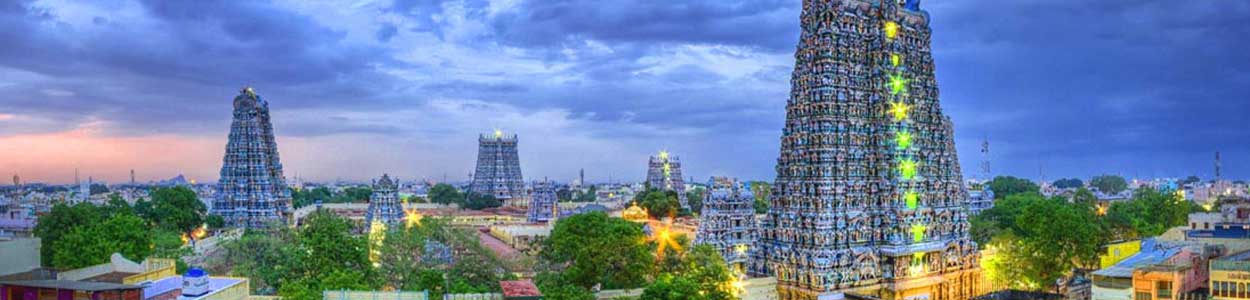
(1084, 197)
(215, 221)
(177, 209)
(761, 190)
(694, 198)
(1190, 179)
(1069, 183)
(564, 195)
(89, 245)
(1004, 186)
(443, 193)
(1109, 184)
(670, 287)
(577, 244)
(399, 259)
(305, 197)
(1150, 212)
(591, 195)
(1044, 240)
(354, 194)
(661, 204)
(477, 201)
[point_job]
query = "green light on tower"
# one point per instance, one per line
(904, 139)
(917, 232)
(907, 168)
(912, 199)
(897, 84)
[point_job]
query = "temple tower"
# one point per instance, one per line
(664, 173)
(868, 196)
(384, 205)
(728, 221)
(542, 206)
(251, 191)
(498, 171)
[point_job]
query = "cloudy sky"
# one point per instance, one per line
(1059, 87)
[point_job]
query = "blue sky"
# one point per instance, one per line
(1071, 87)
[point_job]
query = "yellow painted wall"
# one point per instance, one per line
(1118, 252)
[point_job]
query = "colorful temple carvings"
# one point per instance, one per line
(384, 205)
(542, 205)
(664, 173)
(251, 191)
(498, 170)
(868, 196)
(728, 220)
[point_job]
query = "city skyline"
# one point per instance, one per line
(383, 87)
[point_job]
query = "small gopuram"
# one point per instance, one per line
(728, 220)
(542, 205)
(664, 173)
(384, 205)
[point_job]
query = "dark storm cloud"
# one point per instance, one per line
(761, 23)
(1147, 88)
(1081, 87)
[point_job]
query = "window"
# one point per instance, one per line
(1142, 296)
(1163, 289)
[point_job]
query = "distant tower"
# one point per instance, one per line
(581, 176)
(542, 207)
(498, 169)
(251, 191)
(664, 173)
(76, 180)
(728, 221)
(84, 190)
(384, 203)
(985, 159)
(132, 176)
(1217, 166)
(17, 181)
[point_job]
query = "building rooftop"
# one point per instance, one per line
(172, 283)
(1152, 252)
(519, 288)
(72, 285)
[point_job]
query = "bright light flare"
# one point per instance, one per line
(891, 30)
(899, 110)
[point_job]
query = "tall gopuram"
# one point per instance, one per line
(664, 173)
(542, 206)
(868, 197)
(728, 221)
(498, 170)
(251, 191)
(384, 205)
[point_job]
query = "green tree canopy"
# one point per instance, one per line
(578, 244)
(1109, 184)
(88, 245)
(443, 193)
(661, 204)
(1045, 240)
(761, 191)
(1069, 183)
(479, 201)
(177, 209)
(694, 198)
(1004, 186)
(1150, 212)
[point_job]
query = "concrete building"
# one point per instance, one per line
(1230, 277)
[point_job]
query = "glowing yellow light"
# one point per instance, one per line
(664, 240)
(741, 249)
(737, 286)
(917, 232)
(1102, 210)
(498, 133)
(917, 264)
(895, 59)
(904, 139)
(663, 155)
(200, 232)
(412, 218)
(891, 30)
(907, 168)
(912, 199)
(377, 234)
(899, 110)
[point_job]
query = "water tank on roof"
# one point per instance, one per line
(195, 283)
